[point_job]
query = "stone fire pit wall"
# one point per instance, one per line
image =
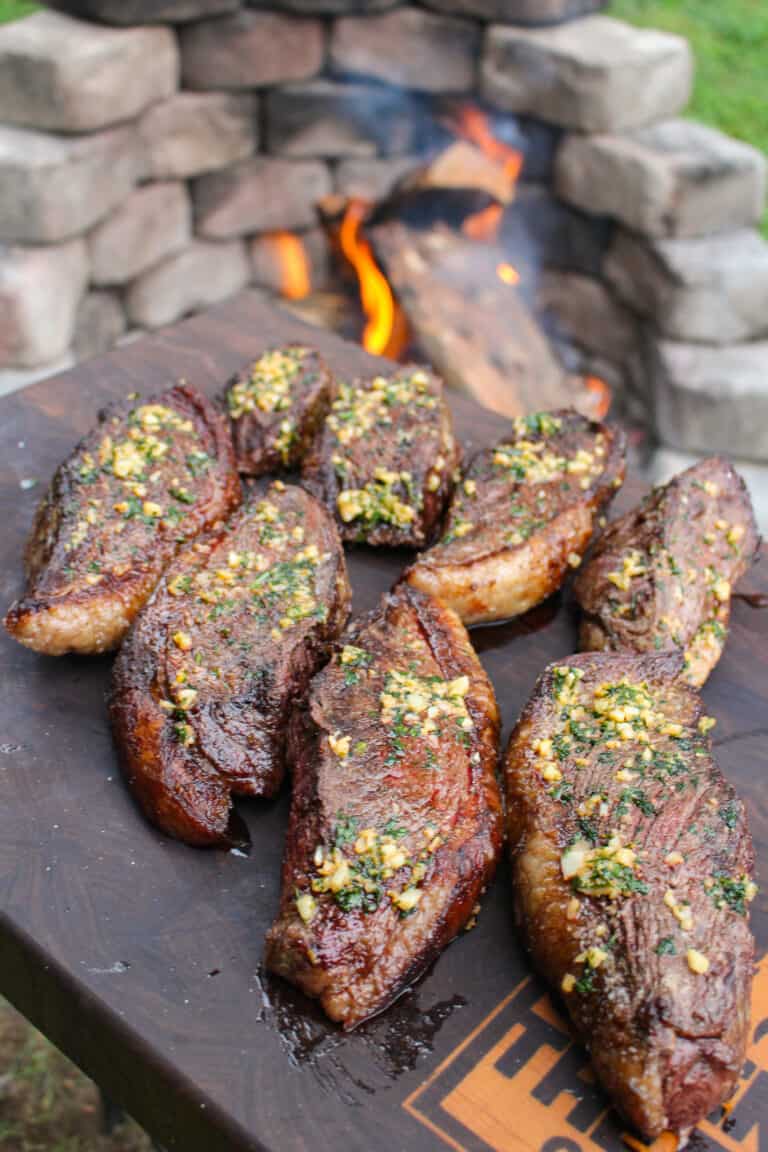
(148, 149)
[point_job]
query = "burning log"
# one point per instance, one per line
(471, 321)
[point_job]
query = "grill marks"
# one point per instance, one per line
(632, 867)
(523, 512)
(661, 577)
(384, 461)
(395, 824)
(206, 680)
(148, 478)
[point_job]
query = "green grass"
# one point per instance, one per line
(730, 43)
(13, 9)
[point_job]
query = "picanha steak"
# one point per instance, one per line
(661, 577)
(523, 513)
(204, 684)
(146, 480)
(632, 870)
(396, 822)
(276, 405)
(385, 459)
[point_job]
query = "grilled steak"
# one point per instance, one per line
(632, 863)
(661, 576)
(395, 825)
(276, 406)
(524, 511)
(205, 681)
(385, 459)
(147, 479)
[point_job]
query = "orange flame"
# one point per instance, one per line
(385, 332)
(508, 274)
(293, 265)
(483, 225)
(472, 124)
(602, 394)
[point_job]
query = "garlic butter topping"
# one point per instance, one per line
(638, 753)
(267, 387)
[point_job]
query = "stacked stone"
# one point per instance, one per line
(147, 161)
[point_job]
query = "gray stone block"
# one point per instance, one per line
(99, 324)
(418, 50)
(196, 132)
(155, 221)
(711, 399)
(40, 289)
(250, 50)
(678, 178)
(595, 74)
(373, 179)
(325, 118)
(128, 12)
(12, 379)
(260, 195)
(268, 269)
(712, 290)
(192, 279)
(519, 11)
(326, 7)
(53, 187)
(69, 76)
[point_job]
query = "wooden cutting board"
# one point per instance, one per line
(141, 958)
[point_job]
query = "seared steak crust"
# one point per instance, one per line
(384, 461)
(276, 405)
(632, 864)
(147, 479)
(204, 683)
(396, 821)
(661, 576)
(524, 510)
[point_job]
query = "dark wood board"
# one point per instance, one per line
(141, 958)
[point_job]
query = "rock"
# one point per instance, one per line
(155, 221)
(99, 324)
(595, 74)
(53, 187)
(323, 118)
(373, 179)
(679, 178)
(268, 261)
(415, 49)
(250, 50)
(326, 7)
(69, 76)
(192, 279)
(519, 11)
(712, 289)
(144, 11)
(40, 289)
(589, 315)
(260, 195)
(197, 132)
(711, 399)
(14, 379)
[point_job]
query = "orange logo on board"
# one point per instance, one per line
(519, 1083)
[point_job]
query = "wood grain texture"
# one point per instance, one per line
(141, 957)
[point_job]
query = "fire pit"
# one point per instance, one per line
(500, 187)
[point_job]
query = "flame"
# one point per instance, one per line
(293, 265)
(483, 225)
(472, 124)
(602, 393)
(508, 274)
(385, 332)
